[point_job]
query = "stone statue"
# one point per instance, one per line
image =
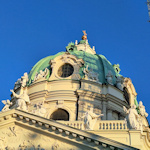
(142, 109)
(109, 77)
(22, 100)
(132, 117)
(90, 119)
(24, 79)
(21, 81)
(17, 84)
(7, 105)
(40, 110)
(41, 74)
(90, 74)
(119, 83)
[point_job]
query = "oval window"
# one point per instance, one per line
(65, 70)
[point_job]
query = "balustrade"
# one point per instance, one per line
(99, 125)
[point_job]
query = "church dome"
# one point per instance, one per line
(73, 91)
(97, 63)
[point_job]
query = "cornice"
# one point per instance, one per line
(51, 126)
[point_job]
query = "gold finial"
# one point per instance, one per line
(84, 37)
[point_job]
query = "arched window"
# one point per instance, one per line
(60, 114)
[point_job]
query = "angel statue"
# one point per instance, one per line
(41, 74)
(24, 79)
(7, 105)
(132, 117)
(90, 119)
(142, 109)
(22, 100)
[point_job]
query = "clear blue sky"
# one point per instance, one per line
(33, 29)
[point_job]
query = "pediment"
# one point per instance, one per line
(22, 130)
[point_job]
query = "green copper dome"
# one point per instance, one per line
(98, 63)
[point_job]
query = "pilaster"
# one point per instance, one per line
(104, 103)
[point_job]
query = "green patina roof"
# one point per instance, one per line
(41, 65)
(98, 63)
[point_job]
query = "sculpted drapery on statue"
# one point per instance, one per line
(41, 74)
(135, 120)
(21, 81)
(132, 117)
(90, 119)
(142, 109)
(22, 100)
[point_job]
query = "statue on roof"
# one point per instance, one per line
(21, 81)
(24, 79)
(142, 109)
(7, 105)
(41, 74)
(22, 100)
(133, 118)
(90, 119)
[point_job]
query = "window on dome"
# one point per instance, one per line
(60, 114)
(65, 70)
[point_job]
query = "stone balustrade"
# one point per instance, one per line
(74, 124)
(100, 124)
(112, 125)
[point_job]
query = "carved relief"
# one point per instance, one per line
(90, 74)
(22, 100)
(39, 110)
(66, 59)
(55, 146)
(27, 139)
(41, 75)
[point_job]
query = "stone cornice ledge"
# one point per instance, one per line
(51, 124)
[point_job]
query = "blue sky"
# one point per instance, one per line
(31, 30)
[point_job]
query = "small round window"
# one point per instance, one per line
(65, 70)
